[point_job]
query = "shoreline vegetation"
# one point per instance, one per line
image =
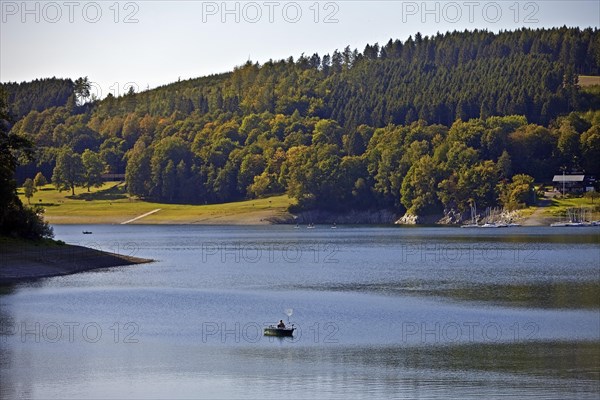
(22, 260)
(110, 204)
(354, 130)
(429, 124)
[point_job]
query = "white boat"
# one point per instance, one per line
(575, 219)
(473, 223)
(493, 225)
(491, 217)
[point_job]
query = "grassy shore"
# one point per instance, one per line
(559, 206)
(109, 204)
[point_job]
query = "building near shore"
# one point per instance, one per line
(574, 183)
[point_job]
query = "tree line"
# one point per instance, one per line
(427, 124)
(15, 219)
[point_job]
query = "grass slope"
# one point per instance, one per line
(559, 206)
(109, 204)
(588, 80)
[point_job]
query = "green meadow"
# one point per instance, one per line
(110, 204)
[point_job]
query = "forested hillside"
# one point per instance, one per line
(426, 124)
(38, 96)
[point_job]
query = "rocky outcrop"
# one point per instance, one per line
(453, 217)
(411, 219)
(408, 219)
(384, 217)
(449, 217)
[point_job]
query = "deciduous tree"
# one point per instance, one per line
(69, 171)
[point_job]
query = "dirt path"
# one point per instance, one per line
(141, 216)
(538, 218)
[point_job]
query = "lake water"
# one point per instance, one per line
(380, 312)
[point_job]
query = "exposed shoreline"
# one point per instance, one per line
(98, 208)
(22, 261)
(377, 217)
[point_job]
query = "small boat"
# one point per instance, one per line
(281, 329)
(274, 330)
(494, 225)
(297, 226)
(568, 224)
(86, 232)
(473, 223)
(334, 226)
(310, 226)
(490, 225)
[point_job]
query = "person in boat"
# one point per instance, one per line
(281, 325)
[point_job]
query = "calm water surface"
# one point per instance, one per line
(380, 313)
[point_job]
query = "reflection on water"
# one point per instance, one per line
(551, 295)
(571, 295)
(381, 312)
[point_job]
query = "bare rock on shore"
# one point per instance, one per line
(411, 219)
(408, 219)
(452, 217)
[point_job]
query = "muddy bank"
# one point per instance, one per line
(376, 217)
(22, 261)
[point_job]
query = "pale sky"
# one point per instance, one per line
(152, 43)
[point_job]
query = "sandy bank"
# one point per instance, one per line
(22, 261)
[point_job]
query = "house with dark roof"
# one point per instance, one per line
(577, 183)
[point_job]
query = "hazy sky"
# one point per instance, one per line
(151, 43)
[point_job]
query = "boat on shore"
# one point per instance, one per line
(493, 219)
(570, 224)
(473, 223)
(576, 218)
(493, 225)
